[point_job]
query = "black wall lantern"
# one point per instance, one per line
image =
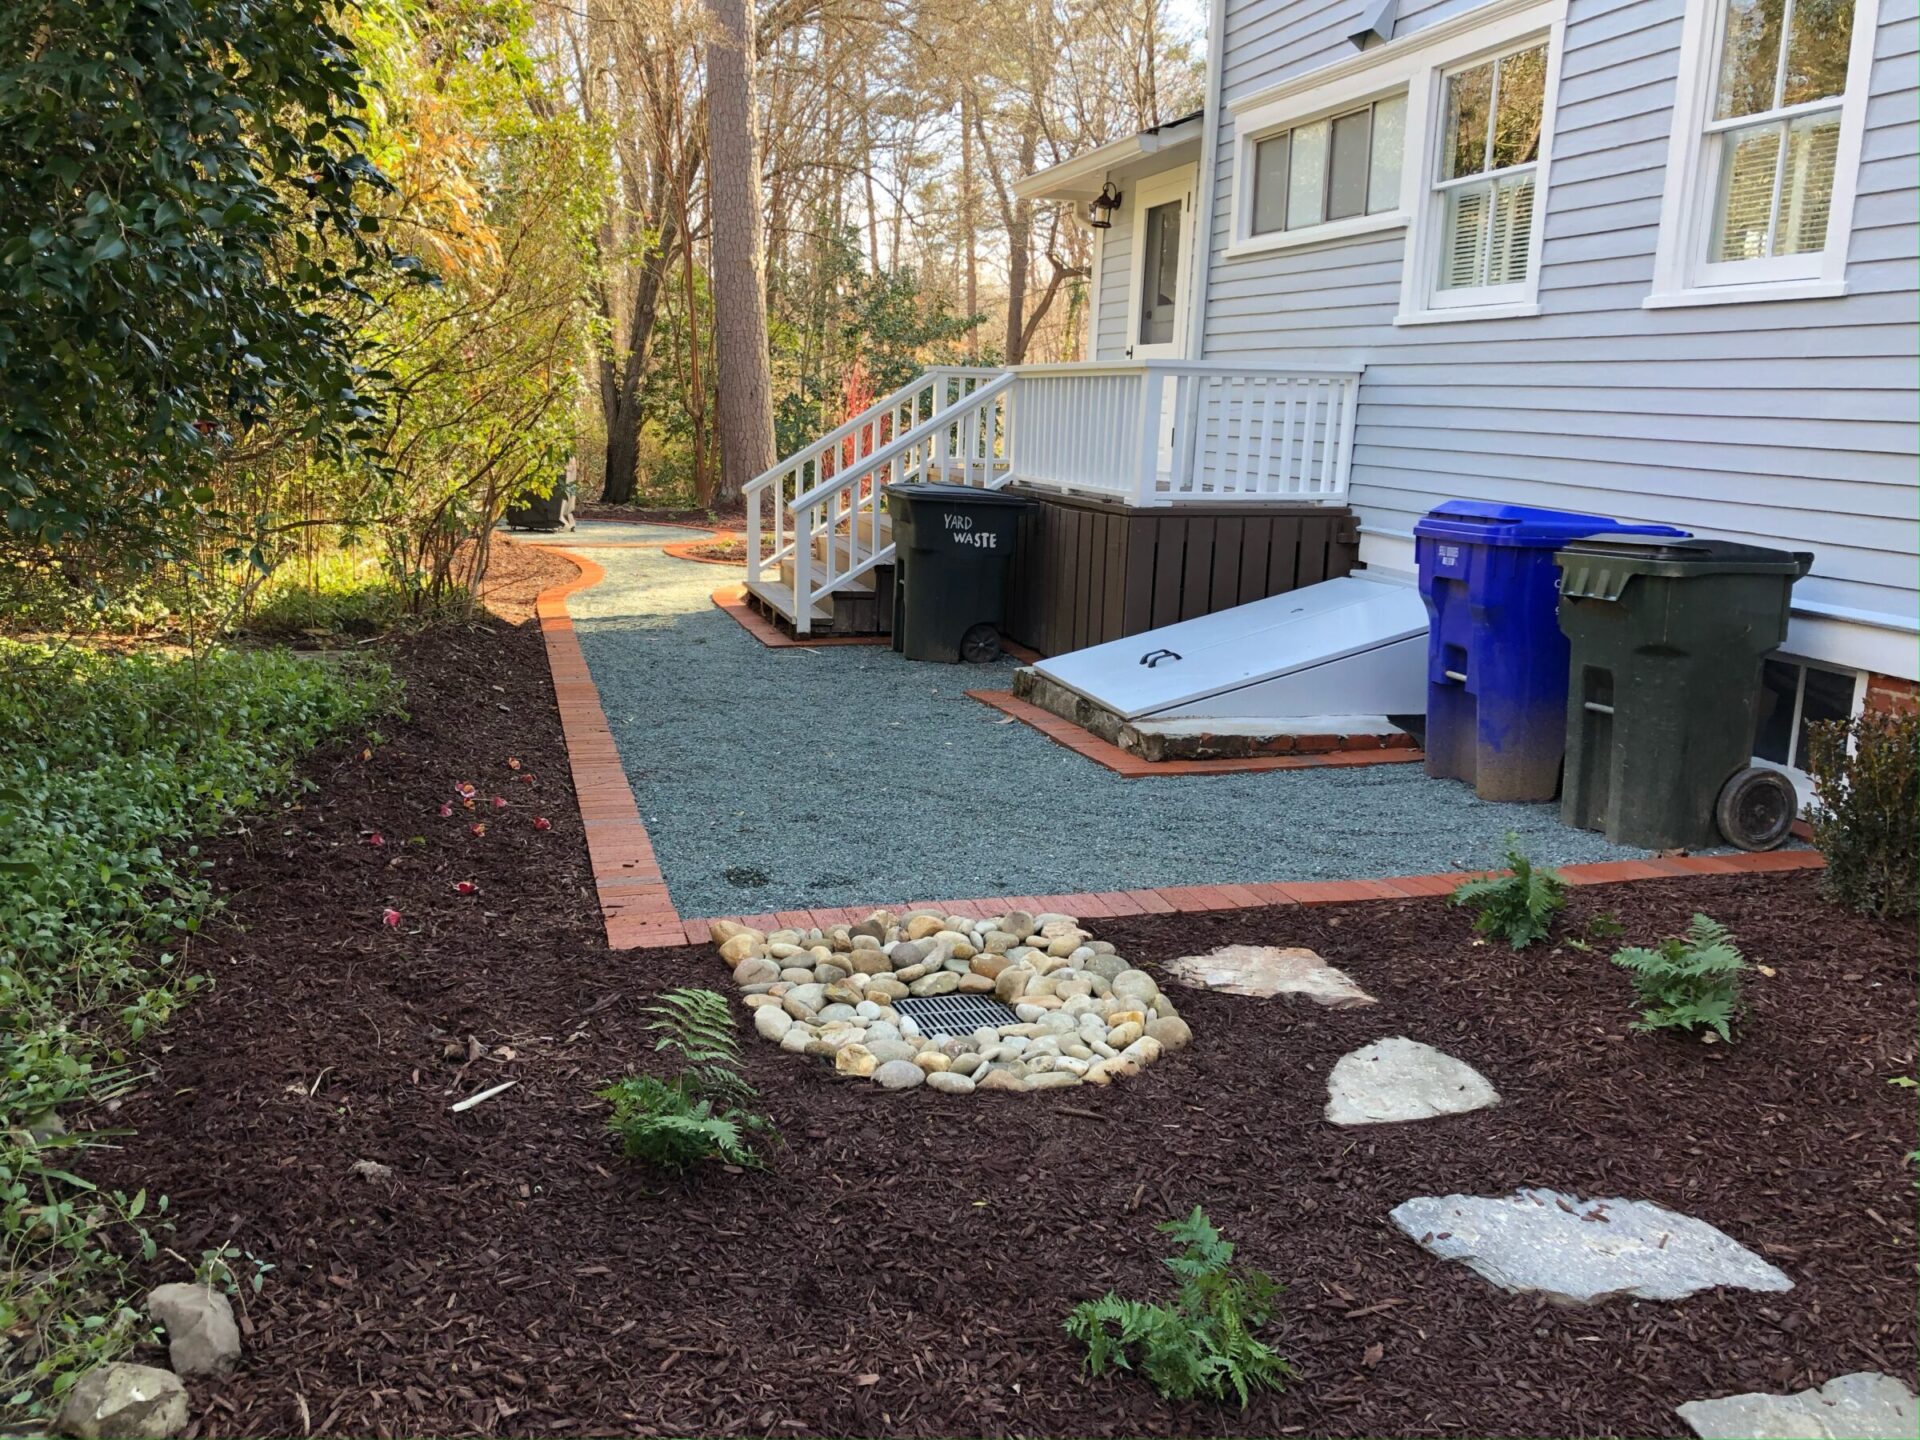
(1100, 211)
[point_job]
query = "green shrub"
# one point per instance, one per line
(1520, 907)
(110, 768)
(1203, 1343)
(1687, 981)
(701, 1113)
(1864, 815)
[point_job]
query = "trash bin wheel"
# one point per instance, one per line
(1756, 808)
(980, 645)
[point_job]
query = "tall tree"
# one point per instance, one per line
(738, 265)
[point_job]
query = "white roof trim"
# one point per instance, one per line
(1081, 177)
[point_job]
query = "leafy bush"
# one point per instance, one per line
(1686, 982)
(699, 1114)
(110, 767)
(1202, 1344)
(1520, 907)
(1864, 816)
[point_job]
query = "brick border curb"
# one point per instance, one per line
(1125, 763)
(638, 912)
(634, 904)
(678, 549)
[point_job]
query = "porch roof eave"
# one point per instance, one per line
(1080, 178)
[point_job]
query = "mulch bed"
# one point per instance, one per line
(719, 518)
(905, 1264)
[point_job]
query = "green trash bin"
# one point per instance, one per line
(1667, 641)
(953, 549)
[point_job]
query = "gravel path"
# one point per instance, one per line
(774, 779)
(589, 533)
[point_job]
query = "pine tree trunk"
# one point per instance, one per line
(745, 400)
(1019, 244)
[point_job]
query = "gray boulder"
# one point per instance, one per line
(125, 1402)
(201, 1336)
(1401, 1079)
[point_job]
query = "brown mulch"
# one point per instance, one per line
(516, 576)
(904, 1265)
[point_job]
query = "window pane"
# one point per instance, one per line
(1749, 58)
(1307, 182)
(1463, 151)
(1745, 204)
(1389, 136)
(1160, 274)
(1807, 193)
(1778, 681)
(1523, 87)
(1347, 194)
(1512, 232)
(1822, 33)
(1463, 241)
(1270, 185)
(1829, 697)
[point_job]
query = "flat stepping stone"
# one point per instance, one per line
(1266, 970)
(1863, 1406)
(1578, 1251)
(1400, 1079)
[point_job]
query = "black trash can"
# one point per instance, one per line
(553, 511)
(1667, 642)
(953, 553)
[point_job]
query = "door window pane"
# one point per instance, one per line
(1819, 39)
(1464, 148)
(1160, 274)
(1813, 142)
(1306, 184)
(1270, 185)
(1745, 208)
(1388, 139)
(1520, 96)
(1749, 58)
(1347, 188)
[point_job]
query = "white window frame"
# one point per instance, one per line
(1422, 301)
(1802, 780)
(1412, 64)
(1682, 275)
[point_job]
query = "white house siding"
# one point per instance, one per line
(1790, 423)
(1110, 293)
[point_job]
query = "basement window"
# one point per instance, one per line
(1794, 695)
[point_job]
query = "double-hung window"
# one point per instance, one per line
(1765, 149)
(1486, 194)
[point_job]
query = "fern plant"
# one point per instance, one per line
(1203, 1343)
(1687, 981)
(700, 1114)
(1519, 907)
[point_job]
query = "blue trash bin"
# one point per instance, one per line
(1496, 660)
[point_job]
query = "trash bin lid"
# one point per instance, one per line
(1486, 523)
(947, 493)
(1598, 568)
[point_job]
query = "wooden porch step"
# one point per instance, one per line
(777, 596)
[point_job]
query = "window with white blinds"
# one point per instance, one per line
(1486, 188)
(1765, 151)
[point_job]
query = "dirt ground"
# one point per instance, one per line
(905, 1262)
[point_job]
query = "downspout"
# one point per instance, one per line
(1207, 179)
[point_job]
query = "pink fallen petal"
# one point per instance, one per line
(390, 918)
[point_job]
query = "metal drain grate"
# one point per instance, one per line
(955, 1014)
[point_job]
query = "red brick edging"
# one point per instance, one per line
(634, 904)
(639, 915)
(681, 549)
(1124, 762)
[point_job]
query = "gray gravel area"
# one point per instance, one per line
(589, 533)
(776, 779)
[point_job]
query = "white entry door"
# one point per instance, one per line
(1162, 251)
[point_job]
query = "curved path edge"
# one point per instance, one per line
(638, 911)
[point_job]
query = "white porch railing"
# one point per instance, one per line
(1149, 434)
(1164, 432)
(818, 511)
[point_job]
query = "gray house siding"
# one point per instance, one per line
(1788, 423)
(1110, 293)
